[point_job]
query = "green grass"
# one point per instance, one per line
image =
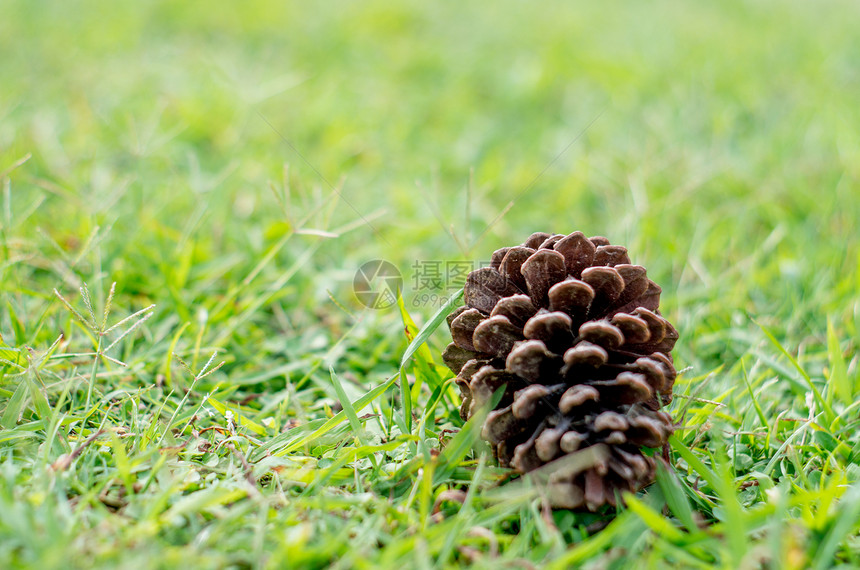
(234, 167)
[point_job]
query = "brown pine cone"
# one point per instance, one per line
(570, 329)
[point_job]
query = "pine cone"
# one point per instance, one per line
(571, 329)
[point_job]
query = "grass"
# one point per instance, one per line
(230, 404)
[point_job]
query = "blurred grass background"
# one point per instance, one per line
(235, 165)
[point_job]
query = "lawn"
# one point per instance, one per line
(188, 379)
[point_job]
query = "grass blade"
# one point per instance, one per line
(414, 346)
(351, 415)
(809, 383)
(838, 383)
